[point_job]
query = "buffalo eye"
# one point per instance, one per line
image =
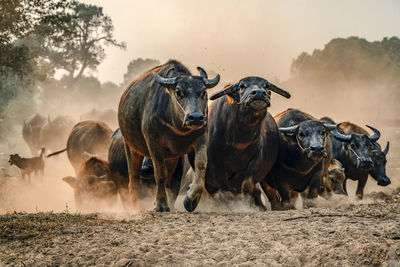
(332, 180)
(203, 94)
(242, 86)
(353, 146)
(178, 93)
(266, 85)
(322, 132)
(301, 135)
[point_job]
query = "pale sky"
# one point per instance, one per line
(238, 38)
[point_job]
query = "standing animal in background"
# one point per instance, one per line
(108, 116)
(119, 172)
(54, 133)
(93, 184)
(243, 138)
(86, 136)
(305, 152)
(360, 155)
(29, 165)
(163, 115)
(31, 132)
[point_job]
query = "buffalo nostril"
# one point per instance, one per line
(253, 92)
(190, 117)
(316, 148)
(264, 93)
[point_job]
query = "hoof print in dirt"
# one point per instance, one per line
(190, 206)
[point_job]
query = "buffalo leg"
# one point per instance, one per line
(272, 195)
(161, 177)
(247, 190)
(362, 181)
(196, 188)
(344, 185)
(134, 161)
(315, 185)
(174, 181)
(257, 198)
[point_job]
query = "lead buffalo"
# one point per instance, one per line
(31, 132)
(360, 155)
(119, 172)
(243, 138)
(305, 153)
(163, 115)
(92, 137)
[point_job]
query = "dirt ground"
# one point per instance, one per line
(352, 235)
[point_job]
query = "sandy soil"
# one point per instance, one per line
(355, 235)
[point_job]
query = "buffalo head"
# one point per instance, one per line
(358, 147)
(311, 137)
(189, 95)
(379, 171)
(252, 92)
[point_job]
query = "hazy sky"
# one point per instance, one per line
(238, 38)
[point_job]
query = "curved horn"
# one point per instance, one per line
(329, 127)
(386, 150)
(227, 90)
(170, 72)
(203, 73)
(278, 90)
(167, 82)
(211, 83)
(289, 130)
(341, 137)
(376, 135)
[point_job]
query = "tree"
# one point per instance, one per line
(136, 67)
(78, 44)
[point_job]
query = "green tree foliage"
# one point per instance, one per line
(138, 66)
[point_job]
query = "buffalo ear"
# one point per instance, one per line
(231, 91)
(72, 181)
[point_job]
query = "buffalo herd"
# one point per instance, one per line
(232, 145)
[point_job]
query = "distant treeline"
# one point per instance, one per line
(352, 59)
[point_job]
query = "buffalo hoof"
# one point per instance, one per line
(190, 205)
(161, 208)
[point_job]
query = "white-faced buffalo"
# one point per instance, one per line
(54, 133)
(119, 172)
(243, 138)
(108, 116)
(304, 155)
(93, 184)
(360, 155)
(87, 136)
(31, 132)
(163, 115)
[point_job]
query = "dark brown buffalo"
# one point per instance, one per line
(54, 133)
(163, 115)
(305, 152)
(93, 184)
(92, 137)
(31, 132)
(119, 172)
(360, 155)
(243, 138)
(108, 116)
